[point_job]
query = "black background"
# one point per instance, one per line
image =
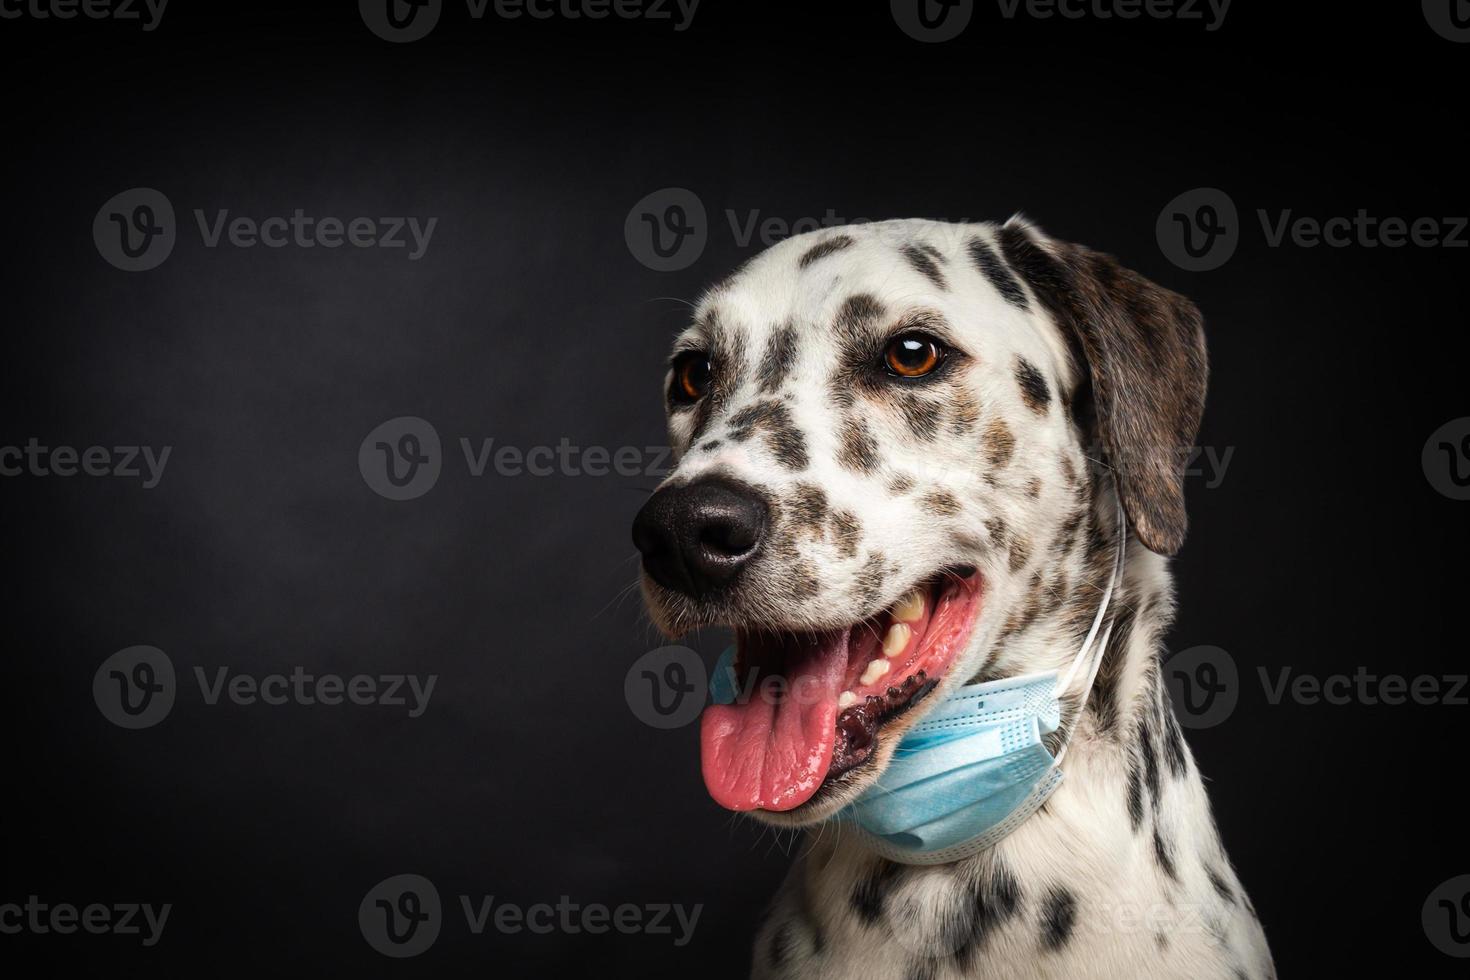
(1325, 547)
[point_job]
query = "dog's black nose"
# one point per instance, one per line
(695, 538)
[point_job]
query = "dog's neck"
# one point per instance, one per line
(1057, 601)
(1124, 716)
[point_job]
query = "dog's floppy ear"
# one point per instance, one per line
(1143, 348)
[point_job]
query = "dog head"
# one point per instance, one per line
(899, 449)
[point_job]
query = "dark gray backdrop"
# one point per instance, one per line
(1325, 547)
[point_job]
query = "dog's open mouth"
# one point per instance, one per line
(810, 705)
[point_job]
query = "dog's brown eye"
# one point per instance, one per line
(691, 377)
(913, 355)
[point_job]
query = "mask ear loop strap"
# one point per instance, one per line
(1066, 682)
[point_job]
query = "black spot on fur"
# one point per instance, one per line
(870, 579)
(870, 894)
(858, 329)
(1135, 794)
(998, 531)
(1221, 885)
(802, 584)
(993, 901)
(1020, 553)
(1174, 744)
(773, 418)
(1150, 761)
(857, 449)
(995, 271)
(847, 532)
(1067, 537)
(1163, 855)
(1000, 443)
(823, 249)
(922, 259)
(940, 502)
(900, 485)
(1069, 471)
(964, 415)
(808, 507)
(923, 415)
(726, 347)
(779, 357)
(859, 317)
(1035, 392)
(1058, 915)
(1106, 688)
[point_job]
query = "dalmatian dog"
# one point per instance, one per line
(909, 453)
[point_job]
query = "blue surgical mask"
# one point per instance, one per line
(976, 766)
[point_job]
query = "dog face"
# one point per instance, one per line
(886, 438)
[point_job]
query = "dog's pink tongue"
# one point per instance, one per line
(771, 749)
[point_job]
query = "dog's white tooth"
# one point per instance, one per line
(910, 608)
(846, 699)
(876, 669)
(896, 640)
